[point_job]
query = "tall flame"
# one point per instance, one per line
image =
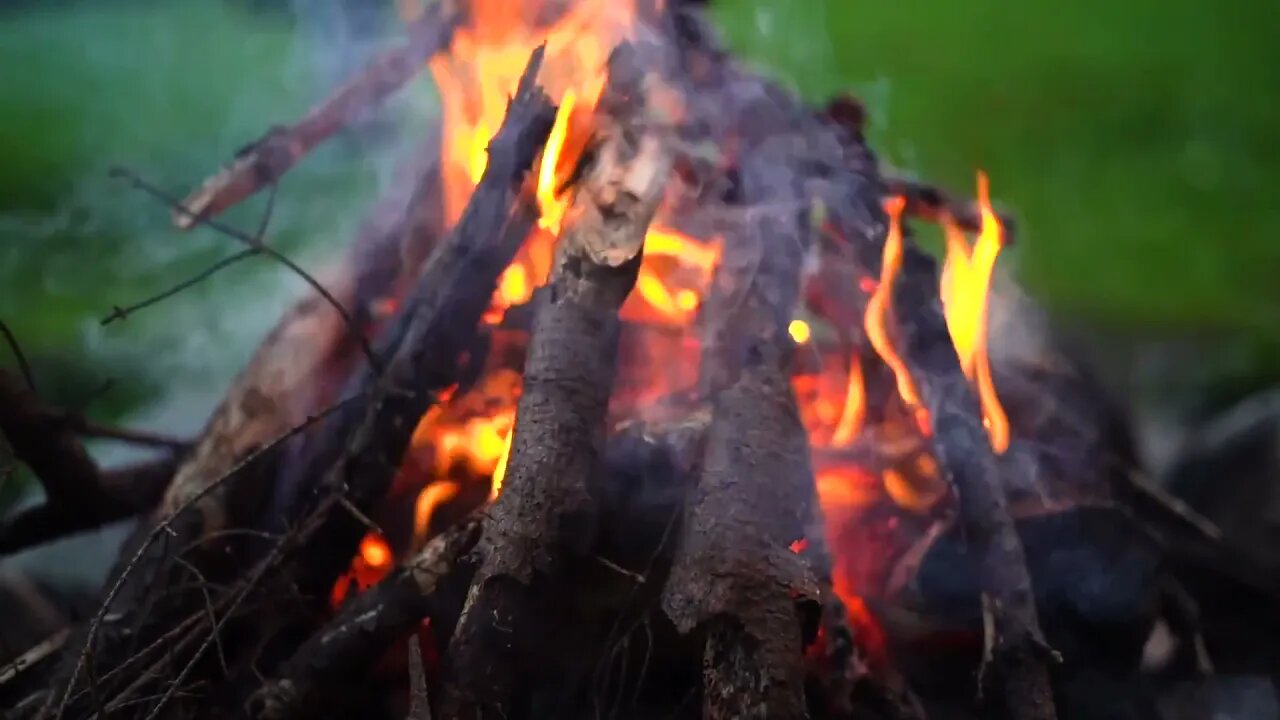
(966, 285)
(880, 311)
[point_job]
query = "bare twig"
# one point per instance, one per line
(18, 355)
(260, 246)
(164, 527)
(120, 313)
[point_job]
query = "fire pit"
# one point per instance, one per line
(640, 400)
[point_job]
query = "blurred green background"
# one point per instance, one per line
(1136, 142)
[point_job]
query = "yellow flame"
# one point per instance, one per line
(879, 307)
(966, 287)
(855, 407)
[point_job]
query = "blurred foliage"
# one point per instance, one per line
(1135, 141)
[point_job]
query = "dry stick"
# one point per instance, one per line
(961, 447)
(163, 527)
(419, 702)
(120, 313)
(545, 508)
(18, 355)
(351, 643)
(267, 402)
(265, 160)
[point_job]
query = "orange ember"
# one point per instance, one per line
(966, 285)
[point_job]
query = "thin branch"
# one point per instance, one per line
(254, 243)
(120, 313)
(165, 526)
(91, 429)
(17, 353)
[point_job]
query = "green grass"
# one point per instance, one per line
(1135, 140)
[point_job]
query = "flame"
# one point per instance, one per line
(855, 407)
(432, 496)
(966, 283)
(879, 307)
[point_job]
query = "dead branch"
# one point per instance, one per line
(545, 508)
(127, 492)
(265, 160)
(18, 355)
(120, 313)
(62, 465)
(347, 646)
(960, 444)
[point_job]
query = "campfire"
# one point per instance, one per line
(637, 397)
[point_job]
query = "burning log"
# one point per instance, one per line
(266, 159)
(545, 509)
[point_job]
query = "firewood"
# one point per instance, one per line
(545, 508)
(265, 160)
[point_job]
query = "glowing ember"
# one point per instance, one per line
(799, 331)
(966, 283)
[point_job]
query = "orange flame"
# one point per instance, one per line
(880, 310)
(966, 283)
(432, 496)
(855, 407)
